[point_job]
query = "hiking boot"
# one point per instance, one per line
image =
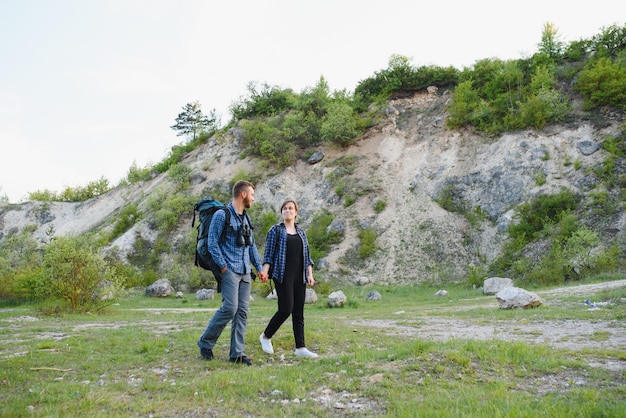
(266, 344)
(206, 353)
(304, 352)
(241, 360)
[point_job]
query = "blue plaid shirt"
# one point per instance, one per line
(276, 251)
(228, 253)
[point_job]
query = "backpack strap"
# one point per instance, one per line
(226, 223)
(245, 214)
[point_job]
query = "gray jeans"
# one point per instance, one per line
(235, 301)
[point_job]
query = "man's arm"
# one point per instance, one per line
(215, 233)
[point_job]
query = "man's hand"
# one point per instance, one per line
(262, 275)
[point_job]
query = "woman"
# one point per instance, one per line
(288, 262)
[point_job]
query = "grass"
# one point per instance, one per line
(140, 358)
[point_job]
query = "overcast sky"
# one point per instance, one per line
(87, 87)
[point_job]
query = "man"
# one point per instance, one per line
(234, 257)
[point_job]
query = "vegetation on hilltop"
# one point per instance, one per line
(492, 96)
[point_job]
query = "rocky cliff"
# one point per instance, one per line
(410, 162)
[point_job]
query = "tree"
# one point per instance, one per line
(550, 44)
(192, 121)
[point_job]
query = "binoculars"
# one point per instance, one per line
(244, 236)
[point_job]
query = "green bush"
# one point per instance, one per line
(75, 273)
(169, 209)
(136, 174)
(201, 279)
(263, 224)
(540, 212)
(128, 216)
(73, 194)
(465, 101)
(603, 83)
(571, 259)
(496, 96)
(180, 174)
(302, 129)
(339, 126)
(476, 276)
(264, 101)
(401, 77)
(550, 218)
(30, 283)
(319, 240)
(20, 258)
(367, 243)
(380, 205)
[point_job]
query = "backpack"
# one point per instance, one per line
(206, 208)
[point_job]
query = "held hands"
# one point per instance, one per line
(264, 274)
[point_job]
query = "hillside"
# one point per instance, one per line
(409, 161)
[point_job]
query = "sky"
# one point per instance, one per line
(90, 87)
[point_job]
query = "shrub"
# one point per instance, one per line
(136, 174)
(128, 216)
(380, 205)
(264, 101)
(319, 240)
(263, 224)
(339, 125)
(73, 194)
(367, 242)
(180, 175)
(19, 257)
(169, 210)
(75, 273)
(401, 77)
(602, 82)
(540, 212)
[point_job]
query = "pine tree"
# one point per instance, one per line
(192, 121)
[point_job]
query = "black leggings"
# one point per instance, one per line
(291, 295)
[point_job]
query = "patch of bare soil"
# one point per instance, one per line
(569, 334)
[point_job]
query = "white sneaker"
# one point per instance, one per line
(304, 352)
(266, 344)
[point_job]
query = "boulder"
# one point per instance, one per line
(160, 288)
(337, 299)
(310, 296)
(205, 294)
(515, 297)
(373, 295)
(493, 285)
(362, 281)
(316, 157)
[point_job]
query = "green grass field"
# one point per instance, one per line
(139, 358)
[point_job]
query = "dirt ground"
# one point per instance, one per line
(569, 334)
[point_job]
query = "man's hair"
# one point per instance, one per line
(241, 186)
